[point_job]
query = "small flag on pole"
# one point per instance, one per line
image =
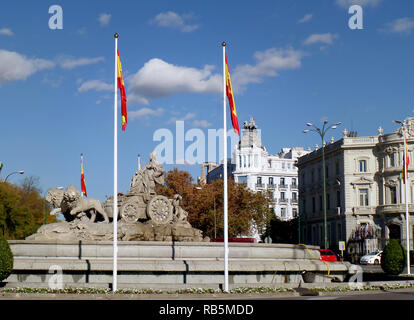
(229, 93)
(406, 161)
(121, 87)
(83, 185)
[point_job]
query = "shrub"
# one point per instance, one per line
(393, 258)
(6, 259)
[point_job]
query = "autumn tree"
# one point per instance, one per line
(22, 209)
(204, 204)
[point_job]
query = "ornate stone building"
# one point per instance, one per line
(365, 191)
(262, 171)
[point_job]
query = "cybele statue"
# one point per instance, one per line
(143, 214)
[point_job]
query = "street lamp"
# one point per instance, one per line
(20, 172)
(403, 125)
(321, 132)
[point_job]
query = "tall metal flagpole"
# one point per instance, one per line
(406, 202)
(115, 211)
(226, 238)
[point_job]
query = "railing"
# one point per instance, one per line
(285, 186)
(260, 185)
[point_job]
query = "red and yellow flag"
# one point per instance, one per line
(121, 87)
(229, 93)
(83, 185)
(406, 161)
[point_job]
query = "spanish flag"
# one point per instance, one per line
(229, 93)
(121, 87)
(406, 161)
(83, 186)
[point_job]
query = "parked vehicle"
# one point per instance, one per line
(327, 255)
(371, 258)
(411, 257)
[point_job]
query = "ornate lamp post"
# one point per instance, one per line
(321, 132)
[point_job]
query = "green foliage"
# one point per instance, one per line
(6, 259)
(283, 231)
(393, 258)
(22, 209)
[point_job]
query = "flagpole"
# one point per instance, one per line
(226, 238)
(406, 203)
(115, 210)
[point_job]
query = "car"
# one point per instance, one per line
(327, 255)
(371, 258)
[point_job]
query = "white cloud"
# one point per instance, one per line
(363, 3)
(306, 18)
(201, 123)
(401, 25)
(268, 64)
(187, 116)
(14, 66)
(158, 78)
(70, 62)
(325, 38)
(104, 19)
(173, 20)
(96, 85)
(6, 32)
(144, 113)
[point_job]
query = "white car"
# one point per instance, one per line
(371, 258)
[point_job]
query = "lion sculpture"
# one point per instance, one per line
(72, 205)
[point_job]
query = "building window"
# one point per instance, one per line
(283, 212)
(270, 163)
(362, 165)
(240, 161)
(328, 201)
(320, 203)
(271, 181)
(283, 165)
(259, 180)
(282, 182)
(363, 197)
(294, 182)
(338, 198)
(243, 179)
(392, 160)
(250, 160)
(282, 196)
(295, 213)
(294, 196)
(393, 195)
(244, 160)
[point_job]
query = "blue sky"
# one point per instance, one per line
(291, 62)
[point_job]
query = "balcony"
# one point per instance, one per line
(283, 186)
(283, 200)
(394, 208)
(271, 186)
(294, 201)
(260, 186)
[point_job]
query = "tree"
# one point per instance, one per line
(245, 207)
(393, 258)
(283, 231)
(22, 209)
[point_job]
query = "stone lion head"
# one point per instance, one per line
(71, 194)
(54, 197)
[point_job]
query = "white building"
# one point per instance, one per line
(262, 171)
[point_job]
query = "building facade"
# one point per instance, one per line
(364, 192)
(260, 171)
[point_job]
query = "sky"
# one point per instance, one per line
(291, 62)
